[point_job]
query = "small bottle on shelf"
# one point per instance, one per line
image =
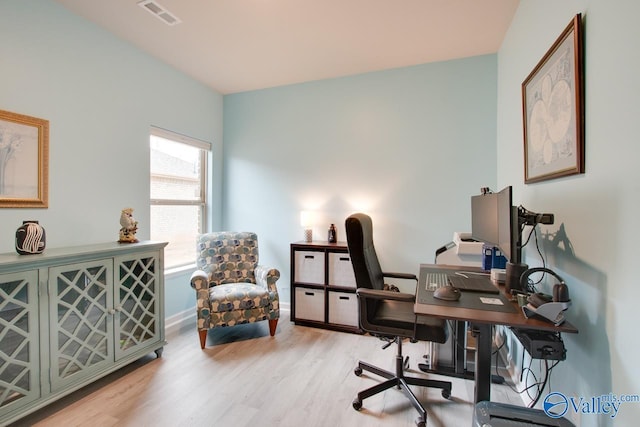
(332, 234)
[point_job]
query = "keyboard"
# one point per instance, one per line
(435, 280)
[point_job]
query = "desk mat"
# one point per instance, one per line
(470, 300)
(467, 299)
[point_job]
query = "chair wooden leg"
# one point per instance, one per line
(272, 326)
(203, 337)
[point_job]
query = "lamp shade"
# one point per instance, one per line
(306, 219)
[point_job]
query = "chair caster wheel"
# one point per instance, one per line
(421, 423)
(357, 404)
(358, 372)
(446, 393)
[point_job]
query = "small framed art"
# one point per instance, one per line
(24, 161)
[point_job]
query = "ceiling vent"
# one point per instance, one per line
(160, 12)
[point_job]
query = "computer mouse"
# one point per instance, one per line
(447, 293)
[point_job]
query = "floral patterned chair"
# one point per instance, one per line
(231, 288)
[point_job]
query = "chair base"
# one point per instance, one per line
(202, 333)
(399, 380)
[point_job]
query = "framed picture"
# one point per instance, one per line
(24, 161)
(553, 110)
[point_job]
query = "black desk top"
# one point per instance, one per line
(467, 308)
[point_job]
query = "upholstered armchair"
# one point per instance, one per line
(231, 287)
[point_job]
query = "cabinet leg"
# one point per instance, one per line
(159, 352)
(272, 326)
(203, 337)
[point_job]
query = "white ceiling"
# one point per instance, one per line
(240, 45)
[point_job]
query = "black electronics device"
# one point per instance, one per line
(495, 221)
(541, 344)
(492, 221)
(560, 289)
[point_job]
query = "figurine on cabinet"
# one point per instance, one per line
(129, 227)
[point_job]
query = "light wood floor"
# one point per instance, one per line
(301, 377)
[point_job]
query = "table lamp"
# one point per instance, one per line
(306, 221)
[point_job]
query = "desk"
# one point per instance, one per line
(481, 323)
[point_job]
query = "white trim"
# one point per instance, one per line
(179, 270)
(174, 323)
(174, 136)
(203, 202)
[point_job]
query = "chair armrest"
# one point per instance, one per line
(407, 276)
(267, 277)
(384, 295)
(199, 280)
(365, 297)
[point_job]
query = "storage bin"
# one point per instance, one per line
(309, 304)
(309, 267)
(343, 308)
(341, 270)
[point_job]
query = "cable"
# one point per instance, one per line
(544, 384)
(529, 236)
(544, 263)
(496, 353)
(533, 219)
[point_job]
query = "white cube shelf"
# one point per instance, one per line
(323, 286)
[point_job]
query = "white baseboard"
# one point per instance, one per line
(186, 318)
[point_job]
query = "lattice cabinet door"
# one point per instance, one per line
(81, 316)
(137, 302)
(19, 340)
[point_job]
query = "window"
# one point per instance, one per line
(178, 193)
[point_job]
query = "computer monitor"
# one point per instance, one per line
(494, 220)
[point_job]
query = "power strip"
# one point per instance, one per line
(541, 344)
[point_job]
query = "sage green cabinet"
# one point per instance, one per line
(19, 340)
(73, 315)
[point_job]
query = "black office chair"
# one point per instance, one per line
(389, 315)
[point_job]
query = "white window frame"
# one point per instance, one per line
(203, 202)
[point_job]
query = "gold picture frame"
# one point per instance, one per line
(24, 161)
(553, 110)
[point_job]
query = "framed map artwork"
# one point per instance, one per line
(553, 110)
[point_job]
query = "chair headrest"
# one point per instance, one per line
(359, 229)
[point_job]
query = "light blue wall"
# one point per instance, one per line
(100, 96)
(598, 209)
(408, 146)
